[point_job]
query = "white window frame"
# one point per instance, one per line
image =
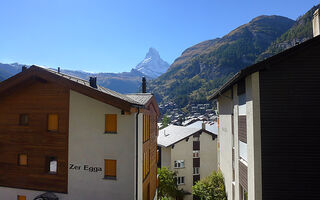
(180, 180)
(196, 154)
(53, 166)
(179, 164)
(196, 171)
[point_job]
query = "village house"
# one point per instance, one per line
(73, 139)
(190, 151)
(269, 126)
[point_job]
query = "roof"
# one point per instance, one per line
(210, 126)
(100, 93)
(87, 84)
(173, 134)
(265, 64)
(141, 98)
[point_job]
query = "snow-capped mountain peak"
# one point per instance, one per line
(152, 65)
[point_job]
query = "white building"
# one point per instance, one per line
(268, 126)
(190, 151)
(74, 139)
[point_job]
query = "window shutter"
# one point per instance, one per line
(111, 123)
(111, 168)
(53, 122)
(22, 197)
(23, 159)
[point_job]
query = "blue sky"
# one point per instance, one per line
(114, 36)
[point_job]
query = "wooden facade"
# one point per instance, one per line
(290, 107)
(36, 99)
(150, 134)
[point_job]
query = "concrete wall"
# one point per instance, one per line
(208, 155)
(183, 150)
(166, 157)
(89, 145)
(227, 106)
(254, 137)
(225, 109)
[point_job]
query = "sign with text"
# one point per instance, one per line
(85, 168)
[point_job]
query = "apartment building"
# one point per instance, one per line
(190, 152)
(268, 126)
(63, 138)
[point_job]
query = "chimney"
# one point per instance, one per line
(144, 85)
(316, 23)
(203, 126)
(93, 82)
(58, 69)
(24, 68)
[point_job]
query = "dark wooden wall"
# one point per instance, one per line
(37, 99)
(290, 108)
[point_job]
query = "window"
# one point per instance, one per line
(53, 122)
(196, 138)
(110, 169)
(111, 123)
(196, 170)
(243, 150)
(23, 159)
(196, 154)
(146, 163)
(146, 128)
(24, 120)
(22, 197)
(52, 164)
(180, 180)
(179, 164)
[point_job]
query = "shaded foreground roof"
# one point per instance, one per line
(173, 134)
(100, 93)
(265, 64)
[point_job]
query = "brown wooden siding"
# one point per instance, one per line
(196, 145)
(242, 124)
(150, 182)
(196, 162)
(37, 99)
(290, 107)
(243, 175)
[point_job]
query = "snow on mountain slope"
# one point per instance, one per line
(152, 65)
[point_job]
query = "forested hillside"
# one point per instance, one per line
(299, 32)
(204, 67)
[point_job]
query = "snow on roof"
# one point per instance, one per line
(173, 134)
(210, 126)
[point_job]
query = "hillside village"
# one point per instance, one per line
(232, 118)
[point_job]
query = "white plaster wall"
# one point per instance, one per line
(183, 150)
(88, 144)
(208, 155)
(236, 113)
(12, 194)
(225, 138)
(166, 157)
